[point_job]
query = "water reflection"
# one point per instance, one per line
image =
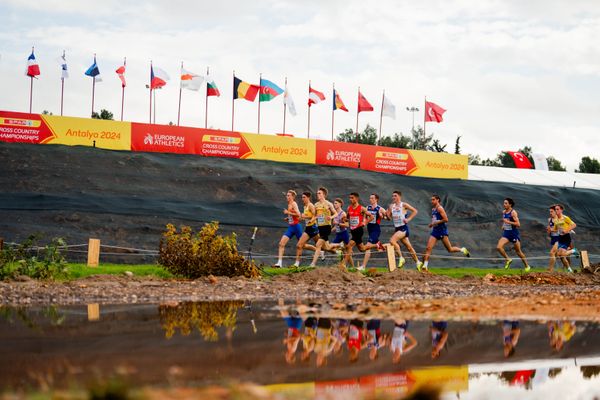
(295, 350)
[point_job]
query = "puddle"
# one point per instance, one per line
(302, 351)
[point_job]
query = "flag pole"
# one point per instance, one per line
(206, 102)
(31, 88)
(233, 102)
(123, 91)
(259, 86)
(179, 106)
(284, 104)
(93, 87)
(357, 112)
(62, 88)
(381, 116)
(424, 121)
(333, 112)
(308, 132)
(150, 87)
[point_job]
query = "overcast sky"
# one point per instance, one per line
(510, 73)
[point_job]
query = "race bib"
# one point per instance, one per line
(354, 222)
(321, 219)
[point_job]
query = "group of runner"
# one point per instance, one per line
(323, 219)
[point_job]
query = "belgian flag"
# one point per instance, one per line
(244, 90)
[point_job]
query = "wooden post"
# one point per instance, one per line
(391, 256)
(1, 244)
(585, 261)
(93, 253)
(93, 312)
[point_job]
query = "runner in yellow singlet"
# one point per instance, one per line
(311, 231)
(324, 210)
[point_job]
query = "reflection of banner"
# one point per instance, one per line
(50, 129)
(283, 149)
(392, 160)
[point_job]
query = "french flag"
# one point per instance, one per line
(158, 78)
(33, 69)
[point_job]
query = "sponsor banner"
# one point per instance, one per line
(283, 149)
(392, 160)
(165, 139)
(228, 144)
(23, 128)
(51, 129)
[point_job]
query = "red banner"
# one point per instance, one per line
(164, 139)
(371, 158)
(24, 128)
(223, 144)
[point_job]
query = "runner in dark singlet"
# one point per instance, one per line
(510, 233)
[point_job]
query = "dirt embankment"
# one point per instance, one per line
(127, 198)
(409, 293)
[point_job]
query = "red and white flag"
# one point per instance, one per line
(363, 103)
(158, 77)
(314, 96)
(33, 69)
(121, 72)
(520, 159)
(433, 112)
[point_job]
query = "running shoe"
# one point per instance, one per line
(420, 266)
(575, 252)
(465, 252)
(277, 265)
(360, 268)
(401, 262)
(507, 264)
(570, 270)
(527, 268)
(322, 255)
(340, 254)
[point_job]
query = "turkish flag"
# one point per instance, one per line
(363, 103)
(521, 161)
(433, 112)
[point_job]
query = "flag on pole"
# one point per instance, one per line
(289, 102)
(121, 73)
(433, 112)
(64, 72)
(268, 90)
(540, 161)
(191, 81)
(94, 72)
(363, 103)
(158, 77)
(33, 69)
(388, 110)
(521, 161)
(211, 87)
(338, 104)
(314, 96)
(244, 90)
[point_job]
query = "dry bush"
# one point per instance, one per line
(207, 317)
(193, 255)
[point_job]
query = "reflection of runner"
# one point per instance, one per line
(439, 336)
(325, 341)
(510, 233)
(373, 228)
(324, 210)
(310, 230)
(340, 227)
(564, 225)
(308, 337)
(553, 233)
(374, 338)
(292, 213)
(292, 335)
(355, 340)
(397, 211)
(510, 336)
(401, 341)
(439, 231)
(560, 332)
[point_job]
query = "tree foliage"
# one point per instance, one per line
(589, 165)
(104, 114)
(398, 140)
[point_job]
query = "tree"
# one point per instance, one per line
(457, 145)
(419, 141)
(367, 136)
(104, 114)
(554, 164)
(589, 165)
(437, 147)
(46, 112)
(397, 140)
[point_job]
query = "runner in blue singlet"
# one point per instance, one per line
(510, 233)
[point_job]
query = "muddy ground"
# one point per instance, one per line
(412, 294)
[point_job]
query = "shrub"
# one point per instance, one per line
(204, 316)
(204, 253)
(35, 262)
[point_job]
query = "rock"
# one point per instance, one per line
(128, 273)
(212, 279)
(23, 278)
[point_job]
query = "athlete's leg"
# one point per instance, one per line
(318, 247)
(348, 255)
(301, 243)
(552, 262)
(409, 247)
(430, 243)
(367, 257)
(449, 247)
(500, 248)
(394, 241)
(520, 253)
(284, 240)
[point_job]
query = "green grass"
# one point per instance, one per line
(76, 271)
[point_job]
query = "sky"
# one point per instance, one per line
(509, 73)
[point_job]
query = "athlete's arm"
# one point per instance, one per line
(572, 225)
(313, 211)
(516, 222)
(344, 221)
(389, 212)
(413, 212)
(443, 214)
(331, 210)
(367, 215)
(410, 339)
(295, 210)
(382, 213)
